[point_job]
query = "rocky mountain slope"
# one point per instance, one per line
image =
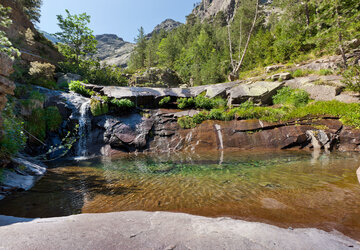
(167, 25)
(113, 50)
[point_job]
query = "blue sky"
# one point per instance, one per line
(120, 17)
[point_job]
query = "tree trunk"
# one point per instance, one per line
(236, 70)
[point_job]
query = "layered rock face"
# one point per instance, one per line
(160, 132)
(113, 50)
(7, 87)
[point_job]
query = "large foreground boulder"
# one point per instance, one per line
(160, 230)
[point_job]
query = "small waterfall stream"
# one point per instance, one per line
(84, 129)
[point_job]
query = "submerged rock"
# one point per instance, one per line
(21, 175)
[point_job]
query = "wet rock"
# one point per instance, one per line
(129, 132)
(349, 140)
(22, 175)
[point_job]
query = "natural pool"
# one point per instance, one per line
(288, 189)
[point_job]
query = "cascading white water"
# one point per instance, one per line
(218, 130)
(84, 129)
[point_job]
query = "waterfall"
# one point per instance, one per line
(218, 130)
(84, 129)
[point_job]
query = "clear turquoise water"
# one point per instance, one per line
(297, 189)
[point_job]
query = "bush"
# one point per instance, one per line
(184, 103)
(42, 70)
(164, 101)
(201, 102)
(53, 118)
(352, 78)
(202, 116)
(123, 103)
(186, 122)
(14, 139)
(36, 125)
(77, 87)
(217, 114)
(288, 96)
(98, 107)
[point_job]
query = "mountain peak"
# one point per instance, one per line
(167, 25)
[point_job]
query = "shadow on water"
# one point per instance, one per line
(9, 220)
(64, 194)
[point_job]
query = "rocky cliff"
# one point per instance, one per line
(23, 35)
(167, 25)
(113, 50)
(209, 8)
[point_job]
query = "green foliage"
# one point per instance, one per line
(77, 87)
(53, 118)
(184, 103)
(32, 9)
(201, 102)
(352, 78)
(164, 101)
(302, 72)
(123, 103)
(186, 122)
(14, 139)
(288, 96)
(138, 57)
(98, 107)
(36, 125)
(325, 72)
(199, 51)
(5, 22)
(77, 39)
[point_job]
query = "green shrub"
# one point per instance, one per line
(53, 118)
(164, 101)
(123, 103)
(36, 125)
(288, 96)
(202, 116)
(202, 102)
(98, 107)
(184, 103)
(186, 122)
(36, 95)
(14, 139)
(352, 78)
(216, 114)
(77, 87)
